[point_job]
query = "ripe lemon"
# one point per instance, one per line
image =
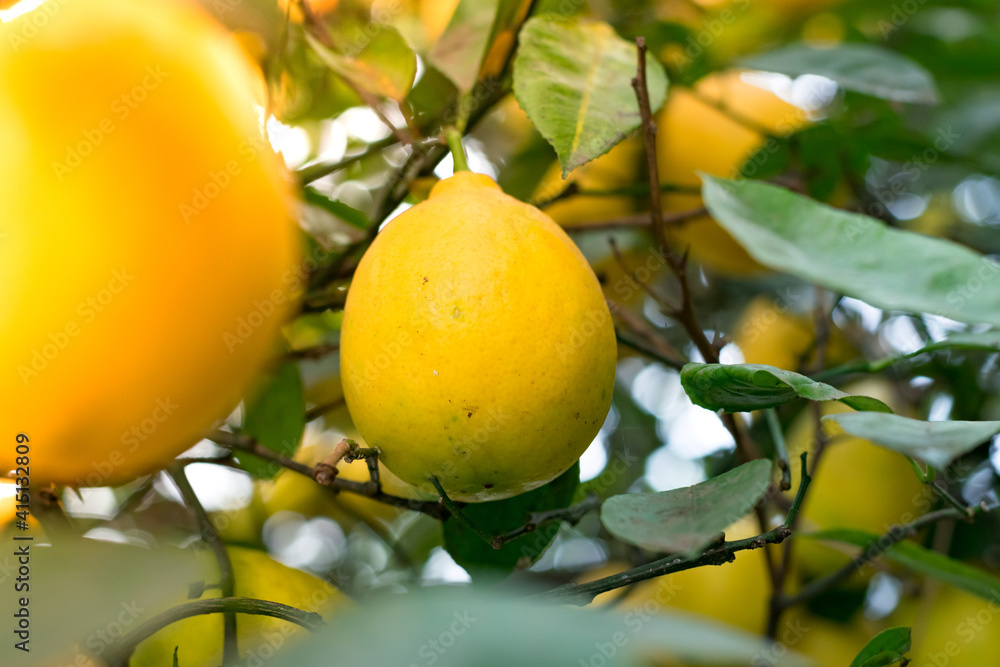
(199, 638)
(769, 333)
(884, 489)
(616, 169)
(476, 344)
(148, 252)
(952, 628)
(693, 135)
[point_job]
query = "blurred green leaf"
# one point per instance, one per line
(384, 65)
(746, 387)
(275, 417)
(502, 516)
(863, 68)
(478, 40)
(573, 78)
(854, 254)
(922, 560)
(463, 627)
(337, 208)
(86, 592)
(687, 520)
(938, 443)
(886, 648)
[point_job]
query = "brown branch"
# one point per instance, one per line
(315, 352)
(321, 477)
(649, 136)
(638, 220)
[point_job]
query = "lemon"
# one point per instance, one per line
(693, 135)
(476, 344)
(148, 253)
(258, 576)
(770, 333)
(953, 628)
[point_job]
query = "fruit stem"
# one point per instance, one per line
(457, 512)
(453, 137)
(780, 450)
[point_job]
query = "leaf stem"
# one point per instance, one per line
(780, 450)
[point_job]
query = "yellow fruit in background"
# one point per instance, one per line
(952, 628)
(435, 16)
(693, 135)
(858, 484)
(768, 333)
(148, 251)
(257, 576)
(616, 169)
(736, 593)
(829, 644)
(292, 492)
(476, 344)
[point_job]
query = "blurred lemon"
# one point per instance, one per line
(693, 135)
(952, 628)
(199, 638)
(145, 209)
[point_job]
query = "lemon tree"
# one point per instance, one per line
(498, 332)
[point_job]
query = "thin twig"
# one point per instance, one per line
(314, 352)
(649, 135)
(780, 450)
(584, 593)
(313, 172)
(571, 515)
(456, 511)
(121, 651)
(320, 410)
(638, 220)
(335, 484)
(227, 579)
(874, 550)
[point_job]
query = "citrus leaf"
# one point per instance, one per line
(862, 68)
(385, 67)
(336, 208)
(984, 340)
(886, 648)
(573, 78)
(937, 443)
(450, 627)
(687, 520)
(460, 51)
(922, 560)
(746, 387)
(854, 254)
(276, 419)
(502, 516)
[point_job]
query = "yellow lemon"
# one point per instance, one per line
(148, 250)
(769, 333)
(476, 344)
(953, 628)
(435, 15)
(694, 135)
(736, 593)
(884, 489)
(616, 169)
(199, 639)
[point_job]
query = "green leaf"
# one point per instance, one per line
(384, 66)
(450, 627)
(863, 68)
(922, 560)
(854, 254)
(687, 520)
(886, 648)
(573, 78)
(81, 589)
(276, 419)
(336, 208)
(502, 516)
(746, 387)
(937, 443)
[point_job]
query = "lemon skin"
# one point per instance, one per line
(476, 344)
(144, 217)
